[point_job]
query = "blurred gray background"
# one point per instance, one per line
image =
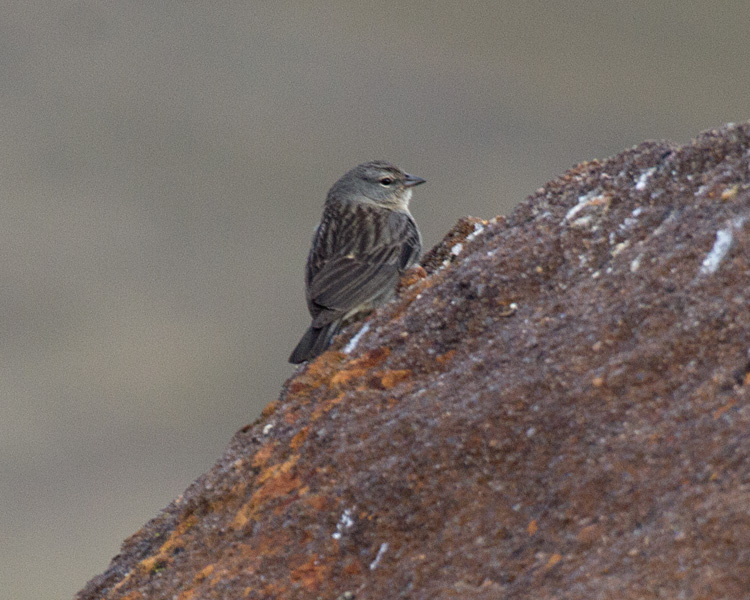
(164, 164)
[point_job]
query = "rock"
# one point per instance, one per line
(559, 409)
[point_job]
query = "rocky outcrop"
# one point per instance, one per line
(559, 409)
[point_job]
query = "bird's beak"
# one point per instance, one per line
(412, 180)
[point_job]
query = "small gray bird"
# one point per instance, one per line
(365, 240)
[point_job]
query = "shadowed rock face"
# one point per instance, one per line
(558, 410)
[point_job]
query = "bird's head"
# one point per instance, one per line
(378, 182)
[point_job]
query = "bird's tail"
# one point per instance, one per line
(314, 342)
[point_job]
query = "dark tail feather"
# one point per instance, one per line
(315, 341)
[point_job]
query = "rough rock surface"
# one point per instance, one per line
(558, 410)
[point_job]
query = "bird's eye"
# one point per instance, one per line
(386, 181)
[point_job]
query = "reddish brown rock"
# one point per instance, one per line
(561, 411)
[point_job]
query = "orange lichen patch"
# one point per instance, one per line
(325, 406)
(532, 528)
(553, 560)
(581, 168)
(416, 288)
(290, 418)
(291, 498)
(310, 574)
(299, 438)
(188, 594)
(360, 367)
(728, 406)
(371, 358)
(273, 473)
(599, 200)
(163, 557)
(444, 358)
(271, 590)
(275, 481)
(203, 573)
(294, 389)
(343, 377)
(317, 501)
(590, 534)
(730, 193)
(319, 371)
(354, 567)
(134, 595)
(154, 564)
(412, 276)
(390, 379)
(317, 374)
(260, 458)
(269, 409)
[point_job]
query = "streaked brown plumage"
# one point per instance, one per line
(366, 238)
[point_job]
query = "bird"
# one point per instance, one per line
(365, 240)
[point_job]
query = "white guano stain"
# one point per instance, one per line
(720, 248)
(640, 185)
(724, 241)
(593, 198)
(381, 551)
(635, 264)
(345, 523)
(352, 344)
(478, 229)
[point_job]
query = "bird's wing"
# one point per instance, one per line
(354, 274)
(346, 283)
(411, 244)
